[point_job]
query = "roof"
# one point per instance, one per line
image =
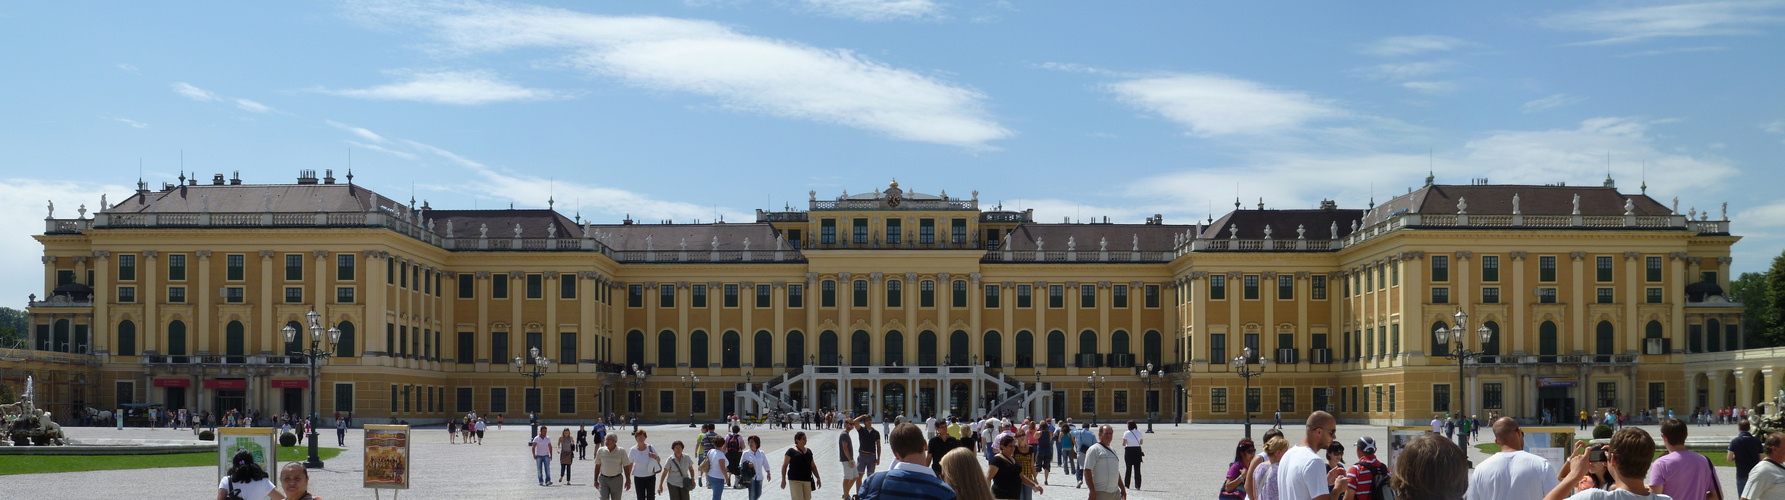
(698, 237)
(1532, 200)
(1315, 223)
(534, 223)
(1088, 237)
(255, 198)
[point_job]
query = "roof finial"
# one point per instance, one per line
(1236, 203)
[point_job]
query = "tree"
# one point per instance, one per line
(1760, 319)
(15, 326)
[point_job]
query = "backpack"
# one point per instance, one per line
(1379, 489)
(733, 444)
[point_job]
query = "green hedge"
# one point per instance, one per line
(1602, 432)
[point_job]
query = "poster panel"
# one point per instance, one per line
(263, 442)
(387, 457)
(1389, 449)
(1551, 443)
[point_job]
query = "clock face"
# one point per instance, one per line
(892, 201)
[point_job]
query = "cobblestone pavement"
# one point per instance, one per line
(1182, 462)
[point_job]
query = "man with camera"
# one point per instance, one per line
(1767, 482)
(1513, 473)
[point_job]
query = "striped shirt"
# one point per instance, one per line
(1362, 480)
(906, 481)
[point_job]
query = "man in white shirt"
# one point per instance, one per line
(1767, 480)
(929, 427)
(1512, 473)
(1301, 473)
(1437, 425)
(1103, 468)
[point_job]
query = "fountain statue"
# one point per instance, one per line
(23, 424)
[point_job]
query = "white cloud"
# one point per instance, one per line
(195, 93)
(22, 210)
(131, 122)
(1623, 24)
(1405, 71)
(127, 67)
(1677, 50)
(1433, 87)
(743, 72)
(363, 133)
(1764, 216)
(1553, 101)
(1213, 105)
(1411, 45)
(248, 105)
(875, 10)
(450, 87)
(1774, 127)
(1075, 68)
(381, 149)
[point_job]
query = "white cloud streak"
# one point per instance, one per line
(363, 133)
(1550, 102)
(1214, 105)
(194, 93)
(743, 72)
(1398, 46)
(22, 210)
(131, 122)
(875, 10)
(248, 105)
(1623, 24)
(450, 87)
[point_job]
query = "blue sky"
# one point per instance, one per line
(700, 108)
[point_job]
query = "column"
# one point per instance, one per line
(1516, 329)
(876, 312)
(195, 324)
(814, 301)
(845, 305)
(1577, 310)
(485, 282)
(1199, 318)
(778, 338)
(49, 277)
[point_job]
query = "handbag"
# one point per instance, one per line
(1235, 494)
(685, 480)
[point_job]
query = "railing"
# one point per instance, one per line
(1288, 356)
(62, 301)
(766, 216)
(410, 226)
(674, 256)
(1120, 360)
(1075, 256)
(879, 204)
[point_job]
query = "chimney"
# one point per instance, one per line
(216, 179)
(328, 176)
(236, 180)
(306, 176)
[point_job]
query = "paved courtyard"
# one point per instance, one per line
(1182, 462)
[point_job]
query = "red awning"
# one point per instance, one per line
(226, 384)
(173, 382)
(291, 384)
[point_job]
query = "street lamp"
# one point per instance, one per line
(634, 378)
(315, 352)
(1095, 382)
(1242, 366)
(1150, 377)
(1460, 352)
(539, 365)
(691, 382)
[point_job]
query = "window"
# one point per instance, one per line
(1218, 348)
(566, 286)
(233, 267)
(666, 296)
(1440, 268)
(1603, 265)
(344, 267)
(1087, 296)
(294, 267)
(499, 347)
(232, 295)
(403, 275)
(991, 296)
(1152, 297)
(666, 402)
(1440, 295)
(1605, 295)
(1654, 295)
(635, 295)
(1490, 268)
(499, 288)
(1286, 399)
(860, 298)
(1218, 400)
(827, 231)
(926, 293)
(127, 294)
(796, 296)
(1285, 287)
(697, 296)
(861, 231)
(959, 298)
(893, 230)
(1087, 402)
(1706, 276)
(467, 347)
(127, 267)
(1493, 395)
(1251, 287)
(343, 397)
(1056, 296)
(793, 238)
(1119, 296)
(176, 267)
(498, 400)
(344, 295)
(827, 294)
(467, 285)
(1546, 295)
(1394, 275)
(535, 286)
(1608, 394)
(1546, 269)
(1381, 282)
(1321, 394)
(1654, 269)
(176, 294)
(1441, 397)
(1657, 394)
(926, 231)
(1023, 299)
(698, 402)
(764, 296)
(1254, 399)
(731, 295)
(1121, 401)
(1217, 287)
(567, 348)
(895, 293)
(1490, 295)
(958, 231)
(1391, 399)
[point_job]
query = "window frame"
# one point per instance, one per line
(1440, 268)
(1118, 296)
(1250, 287)
(1285, 287)
(1217, 287)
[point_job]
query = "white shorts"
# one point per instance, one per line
(849, 470)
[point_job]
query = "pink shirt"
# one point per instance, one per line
(1682, 475)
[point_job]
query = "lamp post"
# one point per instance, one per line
(538, 370)
(1095, 382)
(1038, 390)
(1460, 351)
(634, 378)
(1150, 377)
(316, 351)
(1242, 366)
(690, 382)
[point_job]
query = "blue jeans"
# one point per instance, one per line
(1028, 493)
(718, 486)
(545, 467)
(755, 490)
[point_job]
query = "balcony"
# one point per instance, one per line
(1657, 347)
(1287, 356)
(1120, 360)
(1088, 360)
(1320, 356)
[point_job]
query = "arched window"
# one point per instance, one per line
(176, 338)
(345, 347)
(796, 348)
(1151, 345)
(1603, 338)
(958, 349)
(1439, 348)
(1087, 350)
(860, 352)
(994, 349)
(697, 350)
(666, 349)
(1653, 330)
(895, 348)
(730, 350)
(1119, 355)
(1025, 349)
(926, 348)
(61, 338)
(1492, 347)
(1712, 328)
(1056, 349)
(298, 342)
(126, 338)
(234, 337)
(635, 348)
(827, 348)
(1546, 340)
(764, 357)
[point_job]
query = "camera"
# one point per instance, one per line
(1596, 454)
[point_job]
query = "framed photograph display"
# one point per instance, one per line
(387, 457)
(263, 442)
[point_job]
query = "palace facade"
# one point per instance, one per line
(896, 301)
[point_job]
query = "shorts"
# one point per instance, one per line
(849, 471)
(864, 464)
(479, 434)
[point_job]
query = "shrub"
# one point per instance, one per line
(1602, 432)
(207, 435)
(287, 440)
